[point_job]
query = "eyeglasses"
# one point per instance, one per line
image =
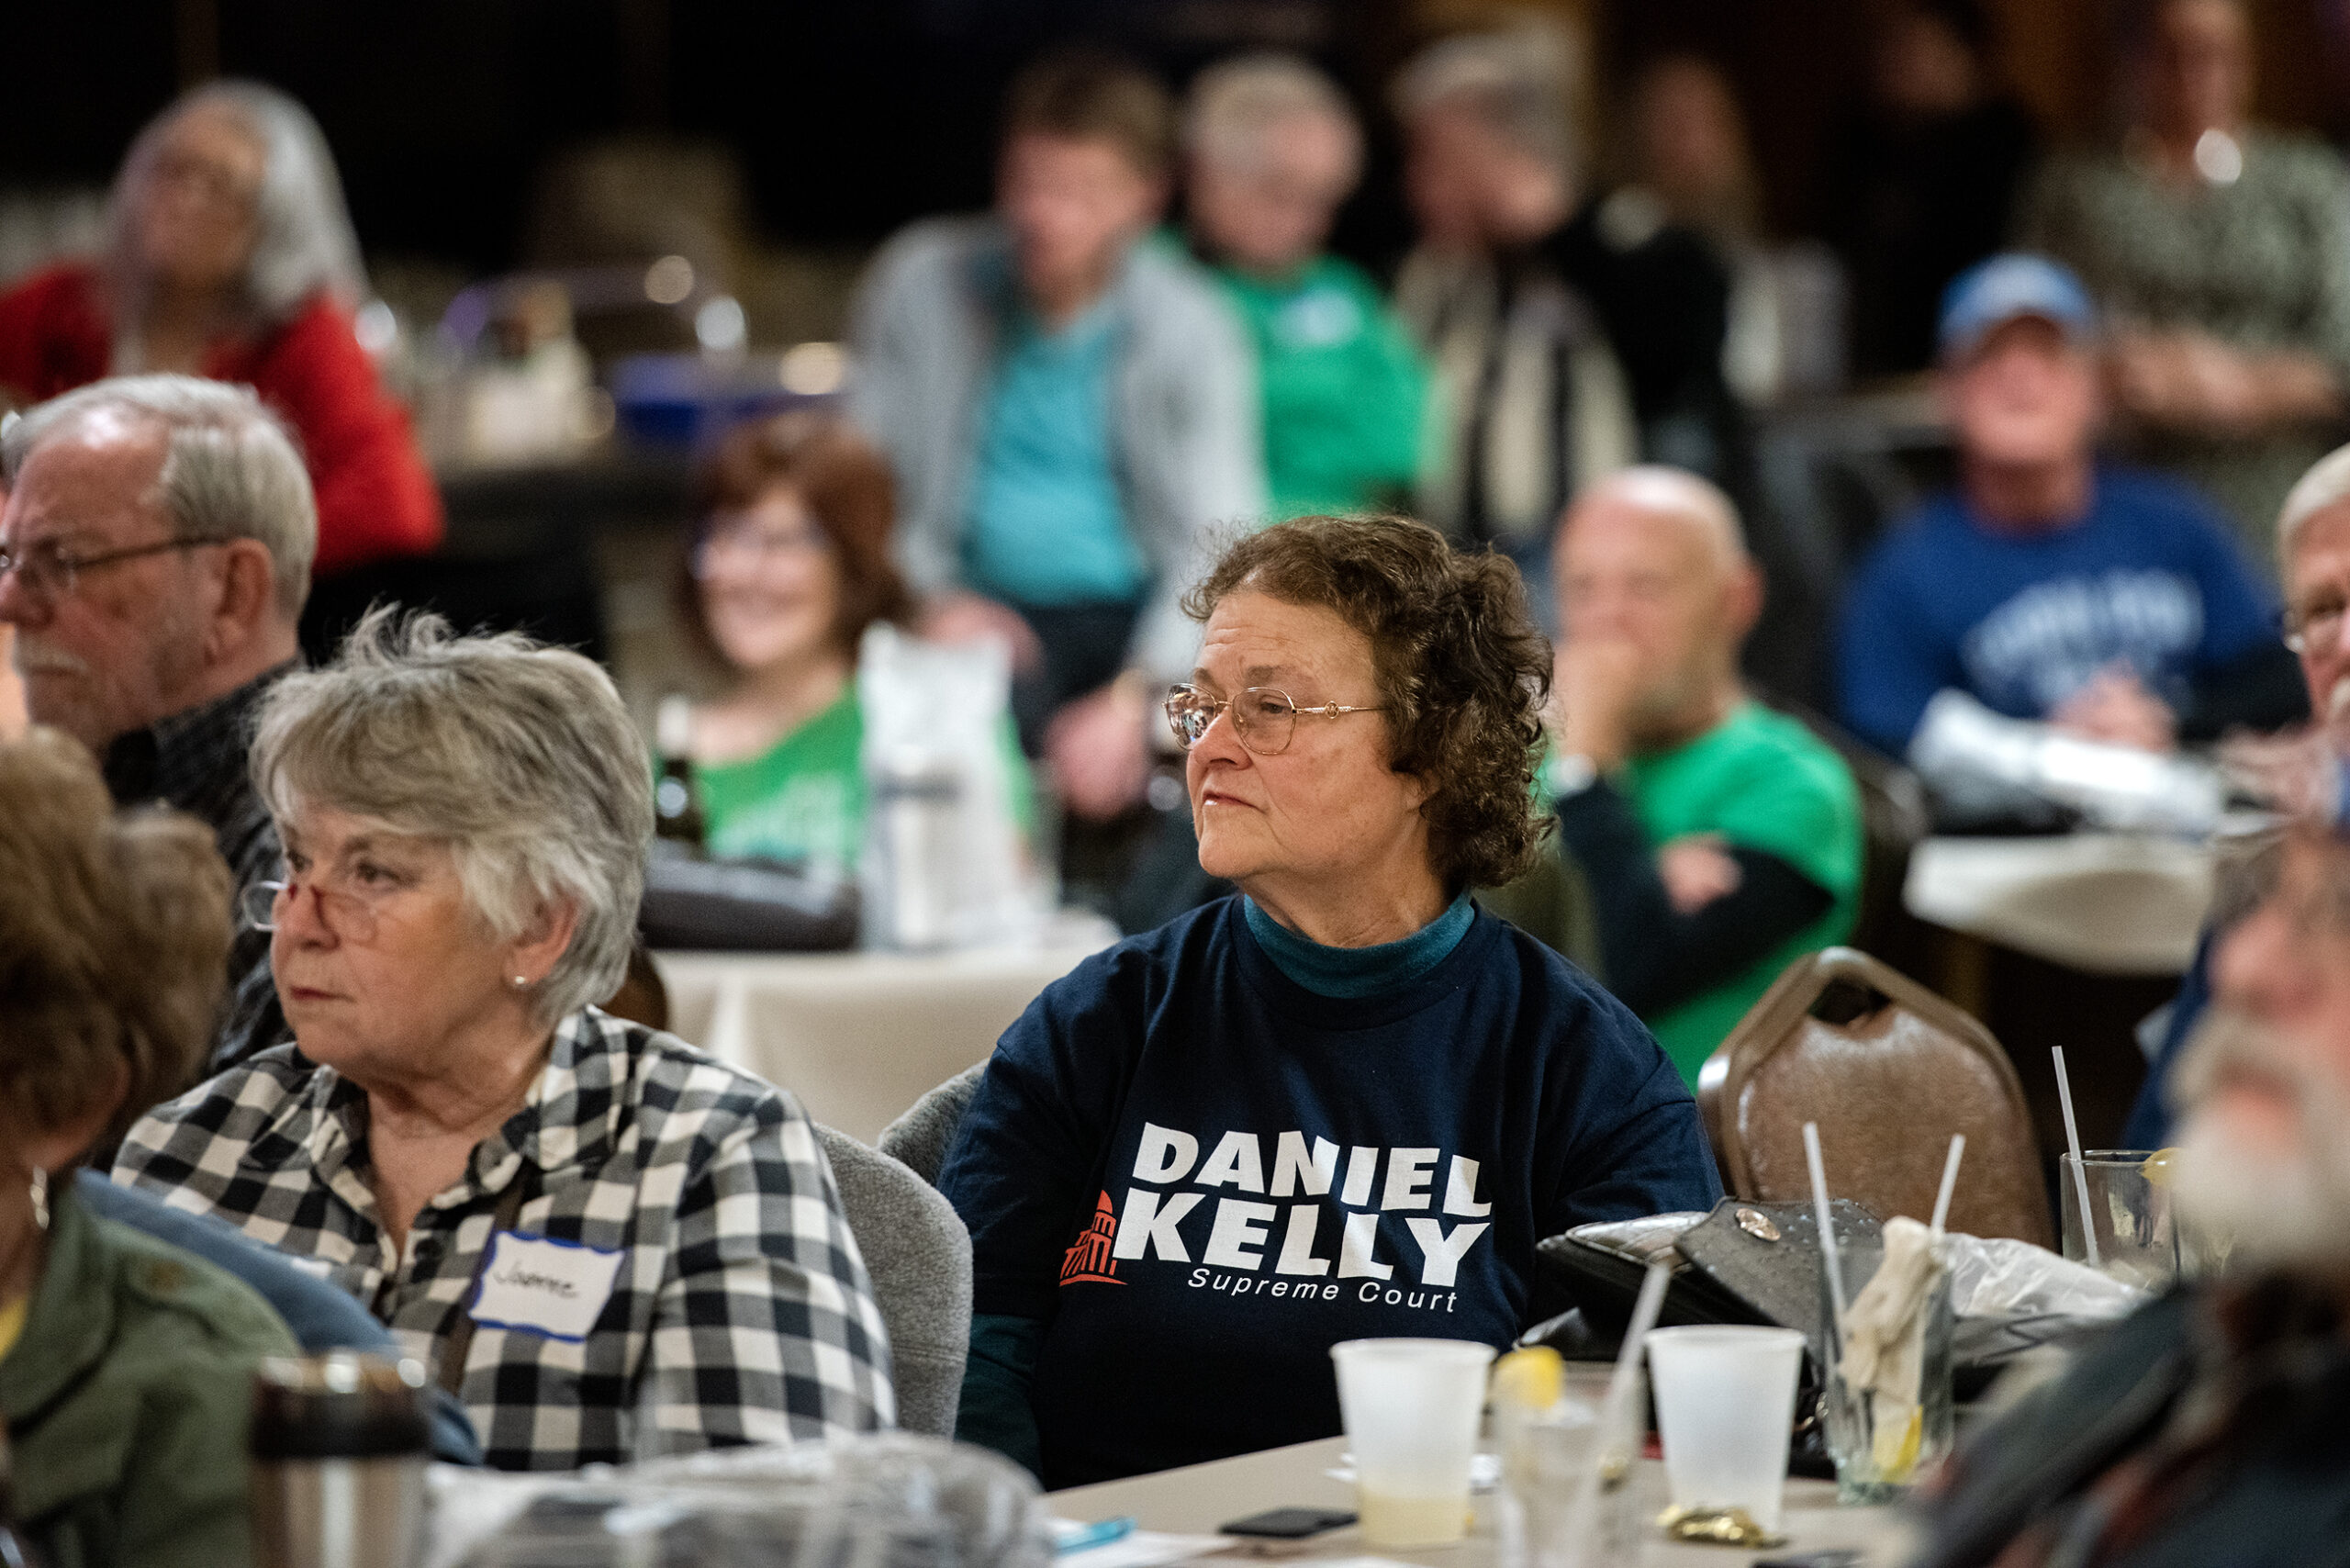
(755, 546)
(353, 915)
(2318, 627)
(1262, 716)
(48, 572)
(208, 180)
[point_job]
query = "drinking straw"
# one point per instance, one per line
(2080, 1171)
(1950, 1182)
(1827, 1232)
(1614, 1404)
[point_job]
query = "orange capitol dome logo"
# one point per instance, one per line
(1089, 1260)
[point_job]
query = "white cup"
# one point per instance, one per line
(1411, 1409)
(1725, 1404)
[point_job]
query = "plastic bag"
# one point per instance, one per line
(891, 1501)
(2005, 1278)
(942, 866)
(2010, 1297)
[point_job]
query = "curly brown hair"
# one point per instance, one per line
(1461, 670)
(114, 942)
(846, 484)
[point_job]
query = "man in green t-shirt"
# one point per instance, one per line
(1273, 149)
(1719, 840)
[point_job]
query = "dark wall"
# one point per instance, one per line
(850, 116)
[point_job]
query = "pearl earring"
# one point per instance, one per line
(40, 1190)
(520, 982)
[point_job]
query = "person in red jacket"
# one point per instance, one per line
(232, 257)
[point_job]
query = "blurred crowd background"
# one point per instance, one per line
(1842, 159)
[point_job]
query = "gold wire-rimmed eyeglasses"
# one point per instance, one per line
(1263, 717)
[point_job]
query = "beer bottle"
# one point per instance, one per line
(676, 804)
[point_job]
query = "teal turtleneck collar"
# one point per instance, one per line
(1355, 973)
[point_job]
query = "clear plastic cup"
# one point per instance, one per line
(1410, 1408)
(1725, 1404)
(2137, 1237)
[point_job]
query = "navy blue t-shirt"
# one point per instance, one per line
(1201, 1176)
(2149, 578)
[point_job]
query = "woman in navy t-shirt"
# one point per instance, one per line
(1344, 1102)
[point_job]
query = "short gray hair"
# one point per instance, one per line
(232, 469)
(1231, 105)
(517, 755)
(303, 242)
(1517, 81)
(2325, 485)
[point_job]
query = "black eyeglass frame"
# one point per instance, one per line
(70, 567)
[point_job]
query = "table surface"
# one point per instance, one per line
(1197, 1498)
(2104, 903)
(859, 1036)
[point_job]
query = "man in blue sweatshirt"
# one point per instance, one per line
(2109, 602)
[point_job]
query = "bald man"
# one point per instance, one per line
(1719, 840)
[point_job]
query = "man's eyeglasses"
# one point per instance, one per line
(2315, 626)
(48, 571)
(1263, 717)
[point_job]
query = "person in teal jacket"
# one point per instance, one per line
(126, 1364)
(1272, 151)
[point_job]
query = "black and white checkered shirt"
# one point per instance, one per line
(195, 760)
(740, 1312)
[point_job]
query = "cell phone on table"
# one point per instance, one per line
(1290, 1524)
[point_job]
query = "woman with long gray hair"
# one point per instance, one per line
(608, 1245)
(232, 256)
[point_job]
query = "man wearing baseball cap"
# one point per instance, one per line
(2109, 602)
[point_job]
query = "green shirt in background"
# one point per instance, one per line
(804, 798)
(1345, 394)
(1764, 782)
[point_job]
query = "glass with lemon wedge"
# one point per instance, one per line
(1549, 1443)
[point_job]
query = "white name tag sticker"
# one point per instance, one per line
(556, 1289)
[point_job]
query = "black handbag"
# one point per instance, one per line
(1744, 1262)
(744, 906)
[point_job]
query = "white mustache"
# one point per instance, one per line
(30, 658)
(2228, 1040)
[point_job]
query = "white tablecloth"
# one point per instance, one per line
(859, 1036)
(1197, 1498)
(2103, 903)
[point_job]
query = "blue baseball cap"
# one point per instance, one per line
(1991, 294)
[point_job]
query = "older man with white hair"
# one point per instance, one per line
(154, 556)
(1719, 840)
(2302, 770)
(1271, 151)
(2207, 1428)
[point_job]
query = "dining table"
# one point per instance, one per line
(859, 1036)
(1195, 1500)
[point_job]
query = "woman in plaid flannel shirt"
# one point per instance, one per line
(609, 1244)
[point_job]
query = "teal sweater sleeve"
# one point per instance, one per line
(996, 1375)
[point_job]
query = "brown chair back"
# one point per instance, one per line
(1890, 1071)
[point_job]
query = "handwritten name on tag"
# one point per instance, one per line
(553, 1288)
